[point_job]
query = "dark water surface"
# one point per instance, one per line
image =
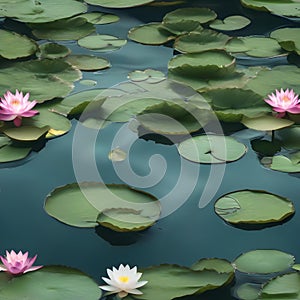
(188, 234)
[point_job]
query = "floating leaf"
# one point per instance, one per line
(253, 207)
(254, 46)
(41, 11)
(288, 38)
(216, 264)
(52, 51)
(266, 123)
(118, 3)
(13, 45)
(150, 34)
(63, 30)
(10, 153)
(101, 43)
(209, 64)
(230, 23)
(296, 267)
(286, 8)
(211, 149)
(150, 75)
(117, 154)
(248, 291)
(100, 18)
(286, 287)
(26, 133)
(195, 42)
(289, 164)
(172, 281)
(289, 137)
(76, 103)
(88, 62)
(48, 283)
(118, 207)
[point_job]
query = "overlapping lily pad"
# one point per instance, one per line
(10, 152)
(101, 43)
(211, 149)
(41, 11)
(117, 207)
(289, 164)
(282, 287)
(88, 62)
(26, 133)
(248, 291)
(289, 137)
(118, 3)
(253, 207)
(216, 264)
(230, 23)
(63, 30)
(288, 38)
(204, 40)
(279, 7)
(13, 45)
(173, 281)
(52, 51)
(150, 34)
(100, 18)
(150, 75)
(48, 283)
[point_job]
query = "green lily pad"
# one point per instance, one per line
(288, 38)
(253, 207)
(289, 164)
(289, 137)
(266, 148)
(101, 43)
(118, 3)
(230, 23)
(296, 267)
(41, 11)
(52, 51)
(285, 8)
(118, 207)
(26, 133)
(208, 64)
(216, 264)
(266, 123)
(248, 291)
(10, 153)
(152, 76)
(43, 79)
(172, 281)
(100, 18)
(286, 287)
(173, 118)
(263, 261)
(88, 62)
(48, 283)
(211, 149)
(254, 46)
(150, 34)
(13, 45)
(76, 103)
(63, 30)
(195, 42)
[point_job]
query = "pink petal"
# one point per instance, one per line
(33, 269)
(30, 113)
(18, 121)
(294, 110)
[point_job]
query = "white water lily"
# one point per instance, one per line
(123, 281)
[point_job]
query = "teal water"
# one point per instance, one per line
(185, 236)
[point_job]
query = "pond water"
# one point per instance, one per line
(182, 237)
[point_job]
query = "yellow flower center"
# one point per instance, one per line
(124, 279)
(15, 102)
(286, 99)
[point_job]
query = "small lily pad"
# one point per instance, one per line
(248, 291)
(230, 23)
(211, 149)
(263, 261)
(100, 18)
(118, 3)
(10, 153)
(150, 34)
(289, 164)
(152, 76)
(26, 133)
(88, 62)
(13, 45)
(52, 51)
(102, 43)
(117, 207)
(253, 207)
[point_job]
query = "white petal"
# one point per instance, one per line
(135, 292)
(141, 283)
(109, 288)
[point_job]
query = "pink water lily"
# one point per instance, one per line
(284, 101)
(123, 281)
(17, 264)
(14, 107)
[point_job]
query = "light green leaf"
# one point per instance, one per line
(88, 62)
(288, 38)
(100, 18)
(118, 3)
(52, 51)
(230, 23)
(26, 133)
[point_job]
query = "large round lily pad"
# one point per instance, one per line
(208, 64)
(49, 283)
(211, 149)
(253, 207)
(263, 261)
(118, 207)
(13, 45)
(282, 287)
